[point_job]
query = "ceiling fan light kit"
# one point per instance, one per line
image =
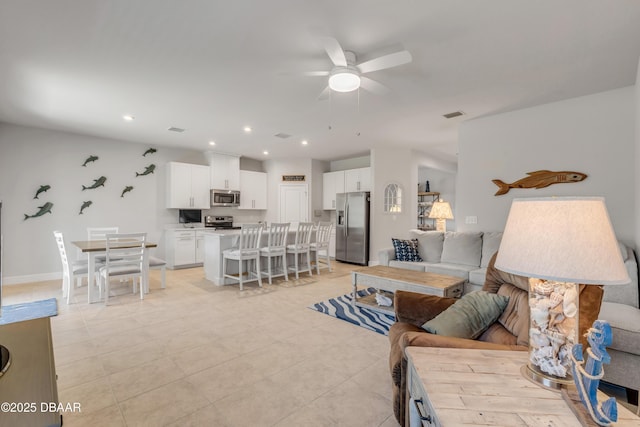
(344, 80)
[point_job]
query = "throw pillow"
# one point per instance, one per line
(406, 250)
(429, 244)
(462, 247)
(469, 317)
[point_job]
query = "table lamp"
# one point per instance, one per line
(441, 212)
(558, 242)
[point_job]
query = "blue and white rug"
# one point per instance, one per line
(341, 308)
(28, 311)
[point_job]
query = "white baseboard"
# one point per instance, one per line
(18, 280)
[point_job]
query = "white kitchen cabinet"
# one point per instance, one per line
(225, 172)
(357, 180)
(332, 184)
(253, 190)
(187, 186)
(184, 248)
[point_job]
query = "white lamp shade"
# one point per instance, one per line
(441, 210)
(566, 239)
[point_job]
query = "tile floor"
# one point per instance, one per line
(195, 354)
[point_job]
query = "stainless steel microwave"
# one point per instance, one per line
(225, 198)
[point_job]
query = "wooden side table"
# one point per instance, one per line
(453, 387)
(393, 279)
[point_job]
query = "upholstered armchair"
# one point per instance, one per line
(509, 332)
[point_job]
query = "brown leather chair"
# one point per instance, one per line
(509, 332)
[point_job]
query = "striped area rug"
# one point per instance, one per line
(341, 308)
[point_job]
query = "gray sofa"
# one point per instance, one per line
(467, 254)
(455, 253)
(621, 308)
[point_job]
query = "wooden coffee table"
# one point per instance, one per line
(391, 279)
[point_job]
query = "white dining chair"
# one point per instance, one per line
(100, 233)
(71, 271)
(276, 251)
(126, 258)
(156, 263)
(321, 245)
(248, 249)
(301, 247)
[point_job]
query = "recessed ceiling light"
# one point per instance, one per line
(265, 152)
(247, 129)
(212, 143)
(128, 118)
(304, 142)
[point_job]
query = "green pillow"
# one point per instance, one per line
(469, 316)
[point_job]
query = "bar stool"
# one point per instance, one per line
(323, 235)
(276, 251)
(301, 247)
(248, 249)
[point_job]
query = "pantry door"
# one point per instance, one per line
(294, 204)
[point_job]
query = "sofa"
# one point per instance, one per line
(621, 308)
(509, 332)
(463, 254)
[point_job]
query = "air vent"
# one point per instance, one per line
(454, 114)
(282, 135)
(175, 129)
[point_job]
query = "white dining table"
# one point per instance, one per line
(93, 248)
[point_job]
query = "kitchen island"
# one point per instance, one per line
(215, 242)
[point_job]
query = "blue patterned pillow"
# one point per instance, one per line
(406, 250)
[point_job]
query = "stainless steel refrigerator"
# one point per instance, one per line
(352, 227)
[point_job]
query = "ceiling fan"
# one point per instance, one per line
(347, 76)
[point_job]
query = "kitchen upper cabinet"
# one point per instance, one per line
(332, 184)
(225, 172)
(253, 190)
(357, 180)
(187, 186)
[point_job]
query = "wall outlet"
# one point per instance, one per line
(471, 220)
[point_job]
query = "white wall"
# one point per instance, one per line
(592, 134)
(32, 157)
(391, 165)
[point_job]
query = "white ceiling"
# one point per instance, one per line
(212, 67)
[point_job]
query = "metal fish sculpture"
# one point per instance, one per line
(539, 179)
(89, 160)
(126, 190)
(42, 189)
(149, 151)
(96, 183)
(46, 208)
(85, 205)
(149, 169)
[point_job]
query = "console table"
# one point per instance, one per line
(452, 387)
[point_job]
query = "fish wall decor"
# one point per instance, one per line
(539, 179)
(89, 160)
(149, 151)
(85, 205)
(96, 183)
(149, 169)
(46, 208)
(126, 190)
(42, 189)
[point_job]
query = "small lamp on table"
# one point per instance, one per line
(441, 212)
(558, 242)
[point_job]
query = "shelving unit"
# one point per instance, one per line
(425, 201)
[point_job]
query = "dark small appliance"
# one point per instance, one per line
(187, 216)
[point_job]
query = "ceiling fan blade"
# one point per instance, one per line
(335, 51)
(316, 73)
(373, 86)
(324, 94)
(386, 61)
